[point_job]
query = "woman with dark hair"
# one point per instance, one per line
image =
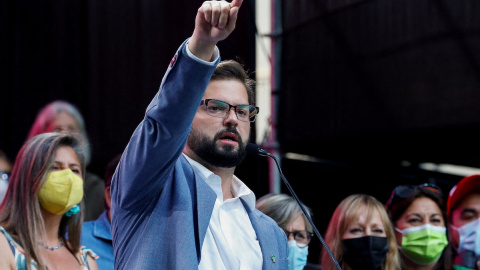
(418, 214)
(42, 204)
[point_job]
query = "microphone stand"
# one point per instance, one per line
(264, 153)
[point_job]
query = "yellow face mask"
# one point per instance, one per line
(61, 191)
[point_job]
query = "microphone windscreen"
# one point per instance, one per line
(253, 149)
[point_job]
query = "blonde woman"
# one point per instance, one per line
(361, 236)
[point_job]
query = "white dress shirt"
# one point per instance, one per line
(230, 242)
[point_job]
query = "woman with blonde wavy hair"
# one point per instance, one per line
(360, 236)
(43, 203)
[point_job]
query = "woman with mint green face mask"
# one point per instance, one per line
(289, 216)
(417, 213)
(43, 203)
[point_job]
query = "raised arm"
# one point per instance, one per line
(158, 141)
(215, 21)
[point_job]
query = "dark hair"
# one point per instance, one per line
(232, 70)
(397, 209)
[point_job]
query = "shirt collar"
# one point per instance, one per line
(239, 189)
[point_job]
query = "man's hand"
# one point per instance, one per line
(215, 21)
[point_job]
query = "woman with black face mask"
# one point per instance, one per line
(361, 236)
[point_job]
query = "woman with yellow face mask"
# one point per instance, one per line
(43, 204)
(62, 116)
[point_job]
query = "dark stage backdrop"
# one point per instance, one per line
(105, 57)
(394, 79)
(365, 85)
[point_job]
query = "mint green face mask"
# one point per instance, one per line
(423, 244)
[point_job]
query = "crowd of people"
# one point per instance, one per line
(412, 230)
(171, 200)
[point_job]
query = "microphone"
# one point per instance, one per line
(254, 149)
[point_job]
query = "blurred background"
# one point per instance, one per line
(356, 96)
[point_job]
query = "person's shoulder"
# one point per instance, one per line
(87, 227)
(3, 238)
(88, 255)
(267, 219)
(7, 255)
(89, 223)
(262, 215)
(86, 251)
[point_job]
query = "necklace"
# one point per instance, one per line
(51, 248)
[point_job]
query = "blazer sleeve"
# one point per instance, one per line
(159, 139)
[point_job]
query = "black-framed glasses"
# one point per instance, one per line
(404, 191)
(220, 109)
(301, 237)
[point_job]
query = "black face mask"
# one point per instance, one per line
(365, 253)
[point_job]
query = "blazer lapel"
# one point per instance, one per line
(204, 199)
(205, 202)
(266, 238)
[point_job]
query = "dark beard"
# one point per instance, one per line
(207, 149)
